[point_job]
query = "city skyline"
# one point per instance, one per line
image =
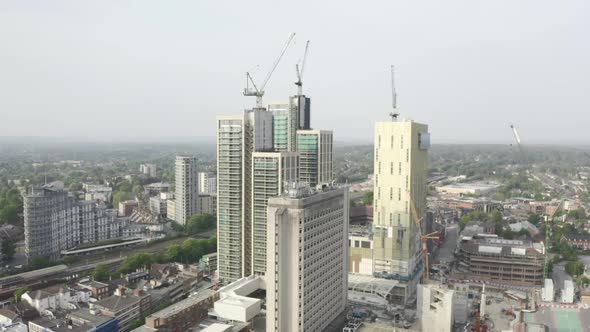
(503, 73)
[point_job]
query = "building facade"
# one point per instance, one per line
(401, 170)
(54, 221)
(148, 170)
(306, 276)
(238, 137)
(207, 183)
(271, 171)
(316, 150)
(435, 308)
(187, 188)
(512, 262)
(208, 204)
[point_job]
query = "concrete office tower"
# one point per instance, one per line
(401, 159)
(435, 308)
(284, 126)
(207, 183)
(238, 137)
(316, 151)
(54, 221)
(306, 273)
(303, 104)
(287, 119)
(271, 170)
(187, 189)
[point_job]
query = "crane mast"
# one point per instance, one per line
(256, 91)
(394, 114)
(423, 238)
(299, 71)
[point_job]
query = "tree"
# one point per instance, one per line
(9, 213)
(497, 216)
(41, 262)
(101, 273)
(136, 323)
(463, 222)
(574, 268)
(120, 196)
(19, 293)
(534, 219)
(8, 249)
(508, 234)
(368, 198)
(132, 263)
(174, 253)
(199, 223)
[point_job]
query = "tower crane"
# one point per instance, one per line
(394, 114)
(519, 143)
(299, 71)
(255, 90)
(423, 237)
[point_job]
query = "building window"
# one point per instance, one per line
(391, 193)
(399, 194)
(400, 168)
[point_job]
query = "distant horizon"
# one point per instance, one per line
(211, 140)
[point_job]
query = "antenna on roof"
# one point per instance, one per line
(394, 114)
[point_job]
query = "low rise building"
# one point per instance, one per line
(126, 207)
(158, 205)
(171, 209)
(157, 188)
(578, 242)
(472, 188)
(55, 297)
(182, 315)
(77, 321)
(98, 289)
(209, 263)
(125, 306)
(504, 261)
(11, 322)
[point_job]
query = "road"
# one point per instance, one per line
(444, 254)
(559, 276)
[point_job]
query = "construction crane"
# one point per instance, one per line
(519, 143)
(299, 71)
(395, 113)
(259, 92)
(423, 237)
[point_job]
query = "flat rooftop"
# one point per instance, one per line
(184, 304)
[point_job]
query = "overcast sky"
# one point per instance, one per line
(136, 69)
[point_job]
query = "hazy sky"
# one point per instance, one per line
(134, 69)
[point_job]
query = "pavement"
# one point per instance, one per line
(561, 320)
(559, 276)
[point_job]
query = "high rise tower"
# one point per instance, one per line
(187, 188)
(400, 173)
(306, 279)
(316, 150)
(271, 172)
(238, 137)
